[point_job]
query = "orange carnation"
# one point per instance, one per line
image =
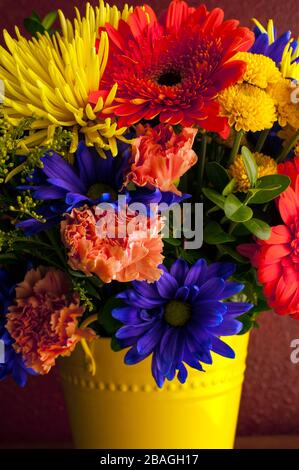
(43, 321)
(132, 252)
(161, 157)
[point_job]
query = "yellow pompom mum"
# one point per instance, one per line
(284, 97)
(51, 78)
(247, 107)
(265, 166)
(261, 71)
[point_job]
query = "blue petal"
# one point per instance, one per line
(150, 339)
(49, 192)
(133, 357)
(132, 331)
(182, 374)
(126, 315)
(227, 328)
(232, 288)
(222, 348)
(131, 297)
(145, 289)
(179, 270)
(167, 286)
(197, 273)
(211, 289)
(237, 308)
(224, 270)
(62, 174)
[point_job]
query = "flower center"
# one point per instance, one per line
(97, 189)
(177, 313)
(170, 78)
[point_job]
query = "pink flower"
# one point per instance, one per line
(113, 246)
(43, 321)
(161, 157)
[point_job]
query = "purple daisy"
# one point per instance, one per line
(179, 318)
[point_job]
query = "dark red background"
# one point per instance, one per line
(270, 403)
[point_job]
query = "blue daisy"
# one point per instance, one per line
(179, 318)
(13, 362)
(271, 47)
(91, 180)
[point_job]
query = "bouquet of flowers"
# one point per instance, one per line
(149, 186)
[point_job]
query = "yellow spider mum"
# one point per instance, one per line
(265, 166)
(261, 71)
(247, 107)
(50, 78)
(285, 97)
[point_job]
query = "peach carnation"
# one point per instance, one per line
(161, 157)
(43, 321)
(112, 245)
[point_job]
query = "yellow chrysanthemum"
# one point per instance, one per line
(287, 107)
(261, 71)
(265, 166)
(51, 78)
(247, 107)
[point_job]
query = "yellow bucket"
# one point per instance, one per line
(121, 407)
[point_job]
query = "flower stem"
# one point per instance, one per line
(55, 246)
(261, 140)
(286, 150)
(89, 357)
(236, 146)
(89, 320)
(201, 163)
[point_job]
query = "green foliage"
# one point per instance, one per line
(110, 324)
(217, 175)
(35, 25)
(235, 210)
(214, 234)
(250, 165)
(268, 188)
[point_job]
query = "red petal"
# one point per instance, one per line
(279, 235)
(288, 206)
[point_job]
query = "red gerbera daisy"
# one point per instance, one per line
(174, 68)
(277, 259)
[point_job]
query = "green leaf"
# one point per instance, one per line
(172, 241)
(214, 234)
(250, 165)
(235, 210)
(105, 317)
(115, 346)
(229, 251)
(34, 26)
(268, 188)
(8, 259)
(217, 175)
(215, 197)
(229, 187)
(259, 228)
(49, 20)
(35, 16)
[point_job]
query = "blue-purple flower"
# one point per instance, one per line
(179, 318)
(91, 180)
(268, 44)
(13, 363)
